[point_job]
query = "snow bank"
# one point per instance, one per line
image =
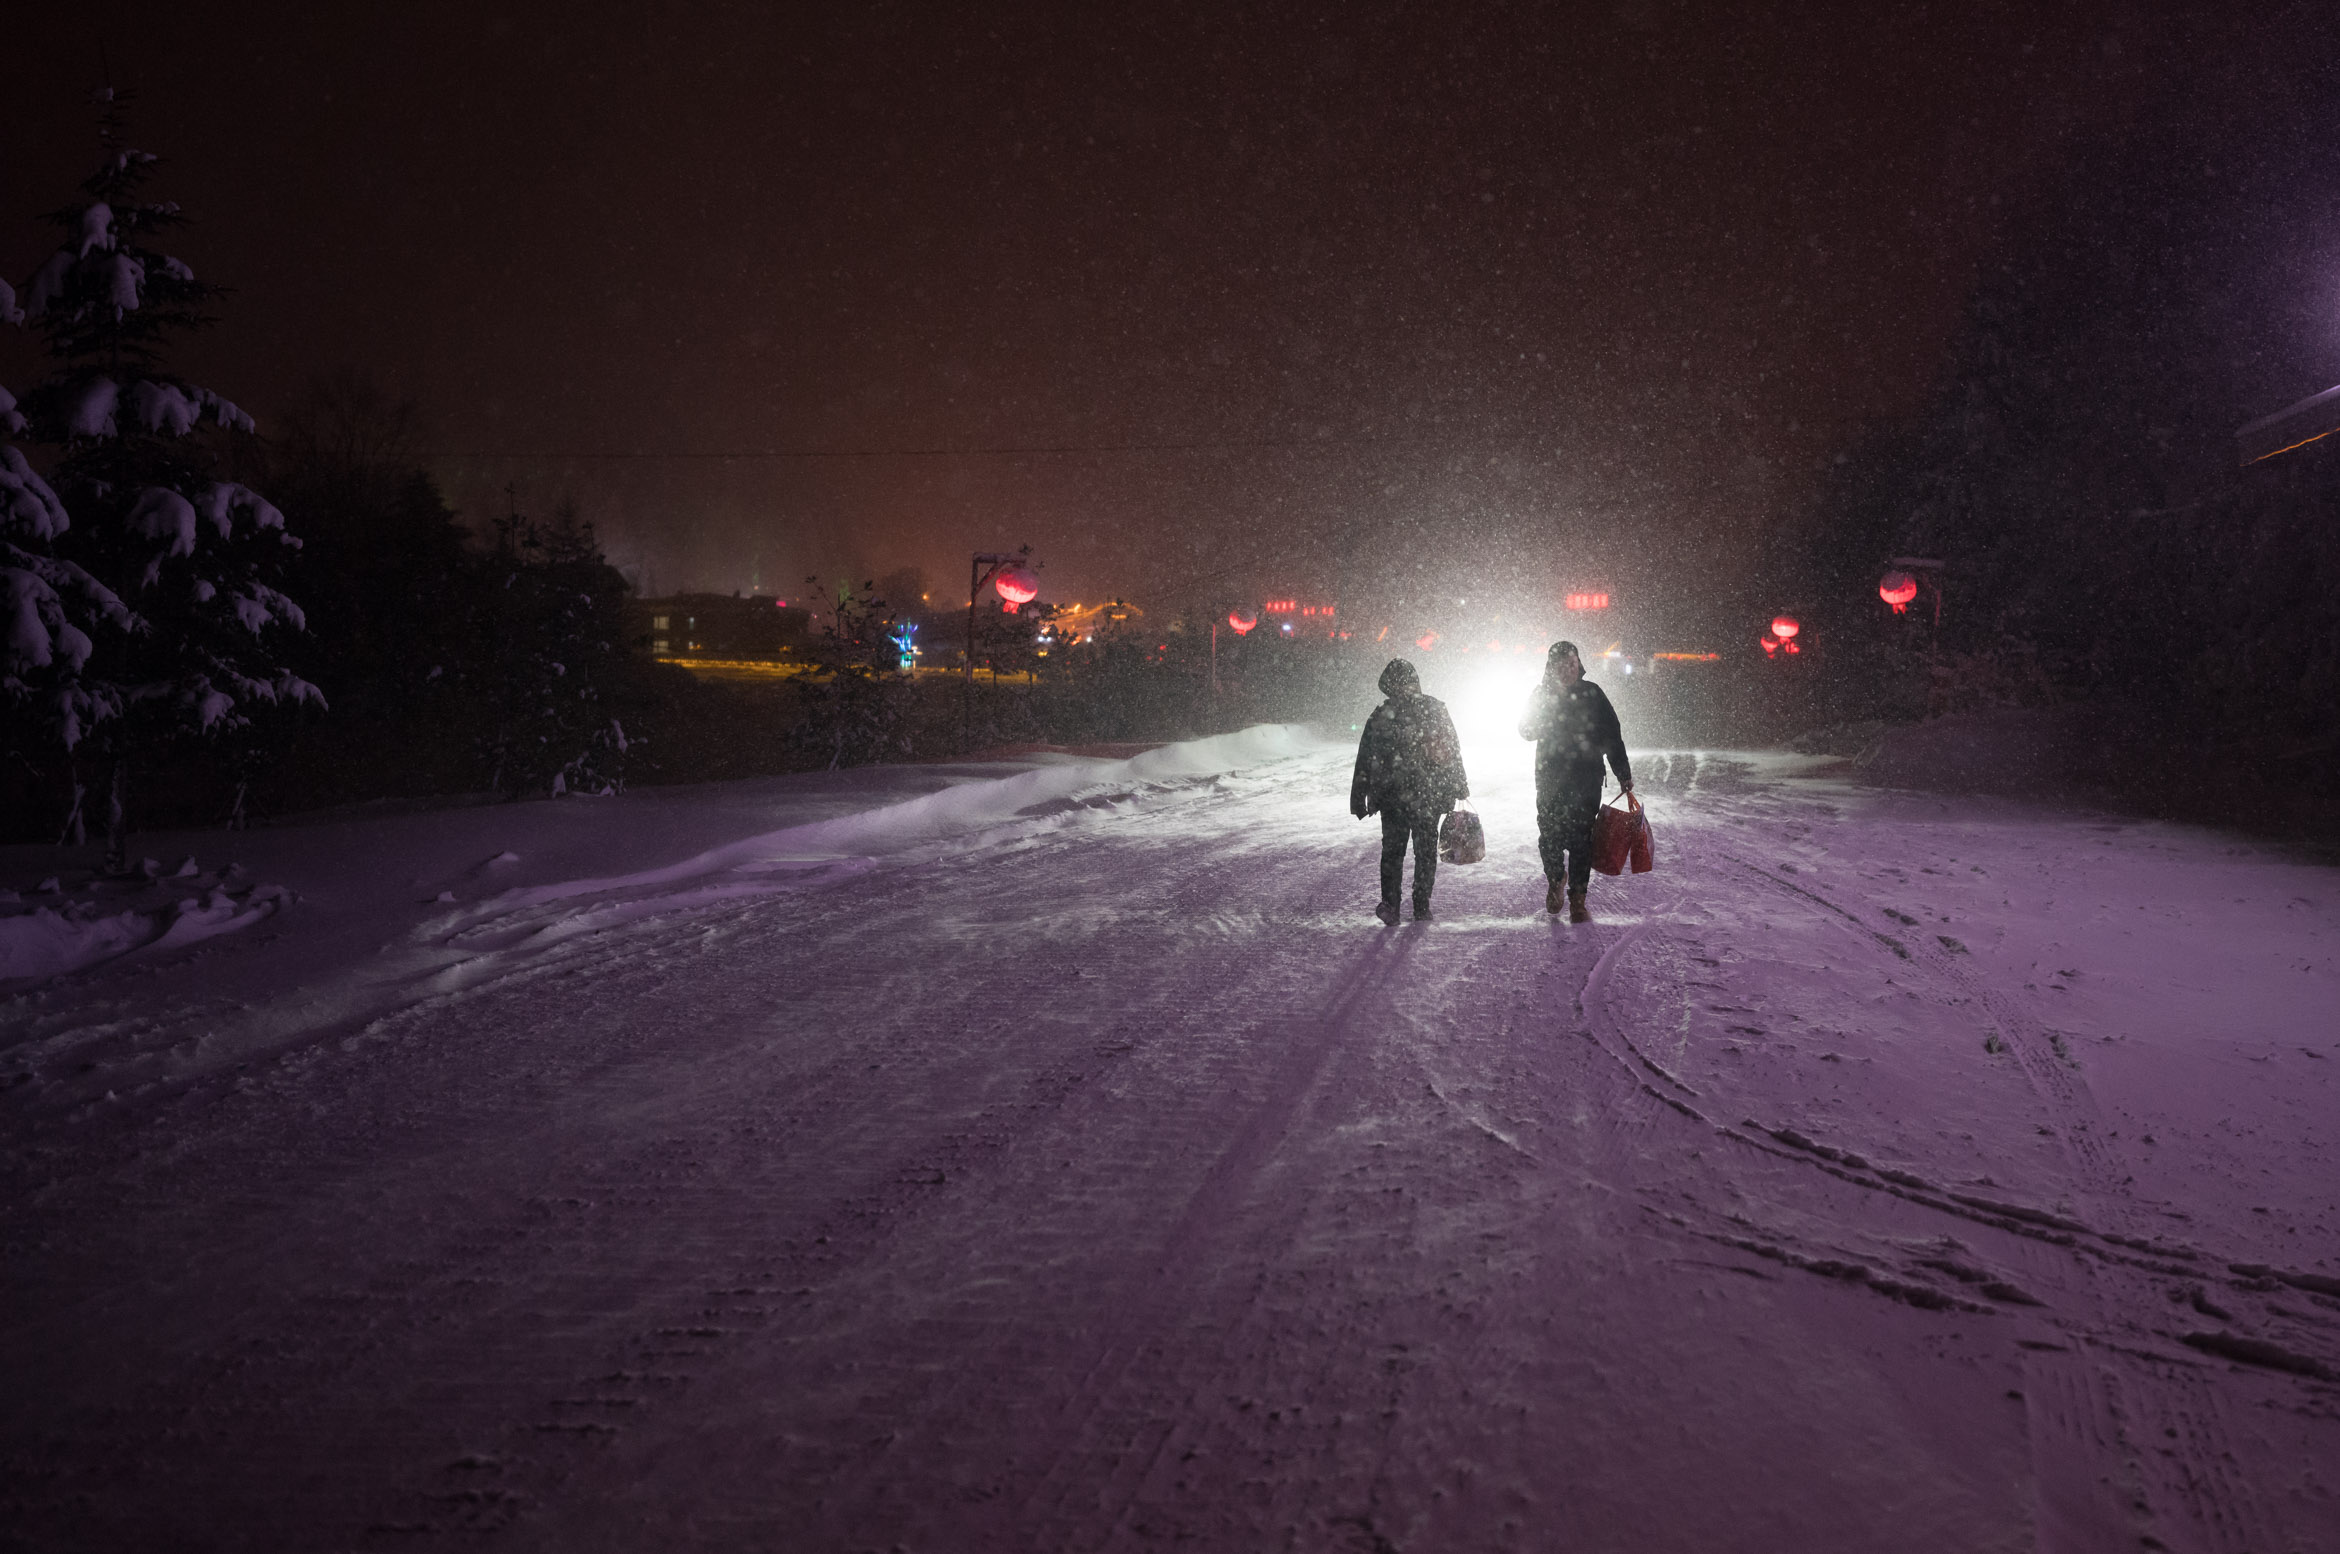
(404, 896)
(970, 806)
(48, 940)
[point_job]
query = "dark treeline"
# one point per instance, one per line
(443, 660)
(2076, 472)
(495, 659)
(485, 658)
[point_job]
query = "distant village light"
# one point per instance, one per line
(1784, 627)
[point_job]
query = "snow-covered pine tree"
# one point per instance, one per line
(197, 557)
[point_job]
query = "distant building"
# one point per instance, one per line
(719, 626)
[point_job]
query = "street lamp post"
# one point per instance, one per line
(1240, 620)
(985, 566)
(1913, 570)
(1901, 586)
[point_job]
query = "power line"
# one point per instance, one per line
(1032, 451)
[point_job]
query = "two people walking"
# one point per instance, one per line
(1410, 772)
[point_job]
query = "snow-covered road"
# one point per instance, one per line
(1067, 1160)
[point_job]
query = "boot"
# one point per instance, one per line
(1576, 911)
(1421, 909)
(1551, 895)
(1387, 912)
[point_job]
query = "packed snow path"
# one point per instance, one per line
(1883, 1172)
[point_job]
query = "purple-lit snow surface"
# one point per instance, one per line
(1059, 1156)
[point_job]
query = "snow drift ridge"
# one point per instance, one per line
(955, 810)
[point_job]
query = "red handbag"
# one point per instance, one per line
(1621, 836)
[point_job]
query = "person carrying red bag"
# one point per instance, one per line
(1574, 728)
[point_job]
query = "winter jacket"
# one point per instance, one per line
(1574, 727)
(1408, 759)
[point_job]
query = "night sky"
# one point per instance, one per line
(1199, 303)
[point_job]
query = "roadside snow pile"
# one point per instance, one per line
(69, 926)
(467, 878)
(1065, 784)
(45, 941)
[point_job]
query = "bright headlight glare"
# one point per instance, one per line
(1492, 697)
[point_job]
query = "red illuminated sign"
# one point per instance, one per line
(1586, 601)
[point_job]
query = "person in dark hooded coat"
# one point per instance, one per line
(1410, 772)
(1574, 728)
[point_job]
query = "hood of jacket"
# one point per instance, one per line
(1399, 679)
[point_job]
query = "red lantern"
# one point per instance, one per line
(1016, 586)
(1897, 589)
(1242, 620)
(1784, 627)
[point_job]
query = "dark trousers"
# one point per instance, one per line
(1564, 827)
(1397, 826)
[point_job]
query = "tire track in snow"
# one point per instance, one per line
(2050, 1074)
(2190, 1481)
(1140, 969)
(1338, 1494)
(2095, 1466)
(1129, 959)
(1146, 1311)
